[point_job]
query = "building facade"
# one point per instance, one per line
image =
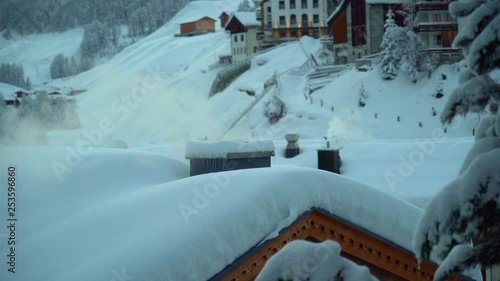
(435, 25)
(244, 29)
(284, 20)
(357, 26)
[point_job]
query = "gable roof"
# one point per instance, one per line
(222, 14)
(343, 5)
(198, 19)
(248, 19)
(382, 256)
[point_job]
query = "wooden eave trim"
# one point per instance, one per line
(355, 241)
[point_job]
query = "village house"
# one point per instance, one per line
(198, 26)
(223, 18)
(244, 29)
(357, 26)
(284, 20)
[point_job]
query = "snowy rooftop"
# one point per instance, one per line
(8, 91)
(246, 18)
(128, 211)
(204, 149)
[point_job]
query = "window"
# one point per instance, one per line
(305, 20)
(315, 18)
(282, 20)
(315, 4)
(447, 18)
(438, 39)
(437, 17)
(304, 4)
(292, 4)
(242, 37)
(282, 5)
(235, 38)
(268, 9)
(293, 20)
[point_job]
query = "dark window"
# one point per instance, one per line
(305, 20)
(242, 37)
(304, 4)
(315, 4)
(292, 4)
(282, 5)
(282, 20)
(268, 9)
(235, 38)
(438, 39)
(293, 20)
(315, 18)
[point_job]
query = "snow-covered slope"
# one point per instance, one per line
(36, 52)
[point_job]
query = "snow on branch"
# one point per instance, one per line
(471, 96)
(462, 221)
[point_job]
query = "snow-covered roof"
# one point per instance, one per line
(8, 91)
(246, 18)
(194, 19)
(158, 229)
(204, 149)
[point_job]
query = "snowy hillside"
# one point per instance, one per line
(36, 52)
(157, 90)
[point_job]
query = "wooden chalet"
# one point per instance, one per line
(223, 18)
(386, 260)
(200, 26)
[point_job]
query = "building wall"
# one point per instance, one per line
(376, 27)
(205, 25)
(188, 27)
(305, 23)
(493, 274)
(244, 44)
(239, 46)
(251, 39)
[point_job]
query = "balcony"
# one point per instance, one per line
(432, 6)
(436, 26)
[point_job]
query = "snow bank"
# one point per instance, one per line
(203, 149)
(304, 260)
(112, 215)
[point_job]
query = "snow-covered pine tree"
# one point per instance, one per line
(28, 83)
(245, 6)
(290, 264)
(410, 43)
(57, 66)
(461, 225)
(391, 52)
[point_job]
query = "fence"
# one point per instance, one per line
(226, 76)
